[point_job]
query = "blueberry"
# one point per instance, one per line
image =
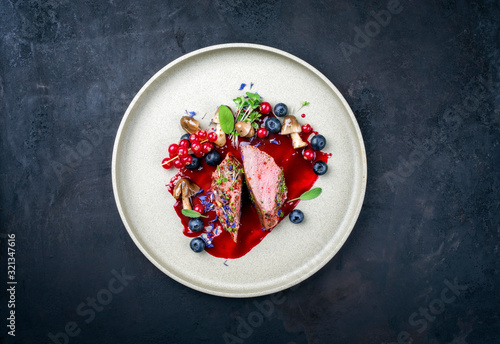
(185, 136)
(195, 224)
(280, 110)
(296, 216)
(320, 167)
(197, 245)
(273, 125)
(213, 158)
(195, 164)
(318, 142)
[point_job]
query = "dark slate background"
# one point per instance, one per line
(424, 88)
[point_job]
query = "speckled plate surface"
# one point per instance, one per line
(200, 81)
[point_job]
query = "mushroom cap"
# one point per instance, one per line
(245, 129)
(290, 125)
(190, 125)
(216, 117)
(185, 188)
(221, 137)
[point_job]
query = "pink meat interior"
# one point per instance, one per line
(262, 174)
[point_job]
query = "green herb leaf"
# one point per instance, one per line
(313, 193)
(238, 101)
(226, 119)
(254, 96)
(191, 213)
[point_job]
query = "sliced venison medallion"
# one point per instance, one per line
(226, 186)
(266, 182)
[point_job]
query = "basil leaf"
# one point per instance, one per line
(226, 119)
(313, 193)
(191, 213)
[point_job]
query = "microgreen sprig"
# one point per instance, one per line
(305, 103)
(245, 110)
(246, 105)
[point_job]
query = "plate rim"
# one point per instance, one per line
(243, 294)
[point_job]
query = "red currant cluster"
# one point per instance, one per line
(198, 144)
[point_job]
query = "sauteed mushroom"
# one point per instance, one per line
(245, 129)
(292, 127)
(185, 188)
(190, 125)
(221, 135)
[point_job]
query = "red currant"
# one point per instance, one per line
(309, 154)
(199, 154)
(183, 151)
(212, 136)
(184, 143)
(207, 147)
(262, 132)
(265, 108)
(199, 208)
(193, 138)
(202, 135)
(187, 160)
(196, 147)
(306, 128)
(178, 163)
(167, 164)
(172, 149)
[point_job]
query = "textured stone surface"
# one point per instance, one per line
(424, 87)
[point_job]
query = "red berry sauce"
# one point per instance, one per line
(299, 178)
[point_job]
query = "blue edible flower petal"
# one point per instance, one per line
(190, 113)
(251, 85)
(206, 239)
(274, 141)
(242, 87)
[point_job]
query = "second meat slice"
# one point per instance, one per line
(266, 182)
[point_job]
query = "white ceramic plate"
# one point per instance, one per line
(200, 81)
